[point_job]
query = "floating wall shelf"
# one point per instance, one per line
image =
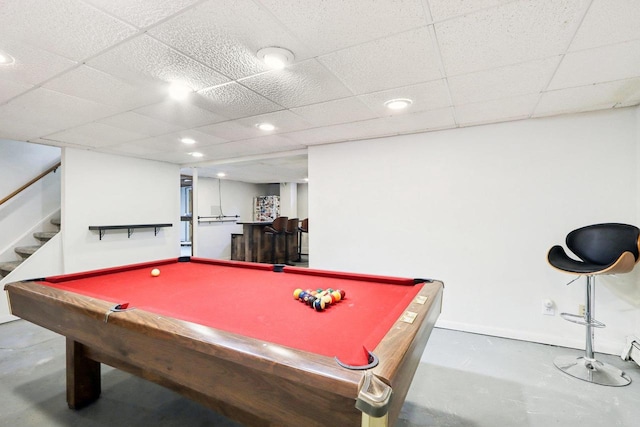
(102, 228)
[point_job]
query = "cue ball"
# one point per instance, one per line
(155, 272)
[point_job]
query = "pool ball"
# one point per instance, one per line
(155, 272)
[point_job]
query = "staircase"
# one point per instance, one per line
(26, 251)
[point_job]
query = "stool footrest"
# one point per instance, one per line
(581, 320)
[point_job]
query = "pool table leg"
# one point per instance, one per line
(83, 376)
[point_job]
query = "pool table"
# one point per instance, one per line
(231, 336)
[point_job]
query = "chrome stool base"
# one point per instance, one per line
(592, 371)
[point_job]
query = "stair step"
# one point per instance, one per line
(44, 236)
(55, 221)
(8, 267)
(26, 251)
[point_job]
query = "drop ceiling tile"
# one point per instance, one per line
(42, 112)
(586, 98)
(95, 135)
(171, 142)
(335, 112)
(504, 82)
(303, 83)
(32, 65)
(226, 34)
(331, 25)
(61, 27)
(400, 60)
(9, 89)
(231, 130)
(508, 34)
(425, 96)
(385, 126)
(234, 100)
(608, 22)
(144, 59)
(250, 147)
(602, 64)
(142, 13)
(180, 113)
(89, 83)
(400, 124)
(498, 110)
(444, 9)
(140, 123)
(284, 121)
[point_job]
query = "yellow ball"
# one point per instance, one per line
(155, 272)
(296, 293)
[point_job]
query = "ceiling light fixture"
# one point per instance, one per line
(6, 59)
(266, 126)
(221, 174)
(179, 91)
(196, 154)
(188, 141)
(275, 58)
(398, 104)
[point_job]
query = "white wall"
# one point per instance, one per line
(101, 189)
(479, 208)
(20, 162)
(236, 198)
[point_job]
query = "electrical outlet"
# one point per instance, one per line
(581, 310)
(548, 308)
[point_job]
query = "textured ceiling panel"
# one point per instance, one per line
(608, 22)
(303, 83)
(603, 64)
(251, 147)
(146, 59)
(444, 9)
(96, 72)
(401, 60)
(89, 83)
(504, 82)
(95, 135)
(425, 96)
(231, 130)
(284, 121)
(509, 34)
(41, 112)
(587, 98)
(337, 24)
(9, 89)
(142, 13)
(34, 65)
(140, 123)
(518, 107)
(333, 112)
(180, 113)
(233, 101)
(226, 34)
(61, 26)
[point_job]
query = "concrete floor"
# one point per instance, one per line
(464, 380)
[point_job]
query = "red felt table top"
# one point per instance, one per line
(250, 300)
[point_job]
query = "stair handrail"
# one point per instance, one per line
(33, 181)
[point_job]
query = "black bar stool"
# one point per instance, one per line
(277, 228)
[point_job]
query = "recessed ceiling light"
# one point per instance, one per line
(306, 179)
(196, 154)
(221, 174)
(266, 126)
(188, 141)
(179, 91)
(398, 104)
(6, 59)
(275, 58)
